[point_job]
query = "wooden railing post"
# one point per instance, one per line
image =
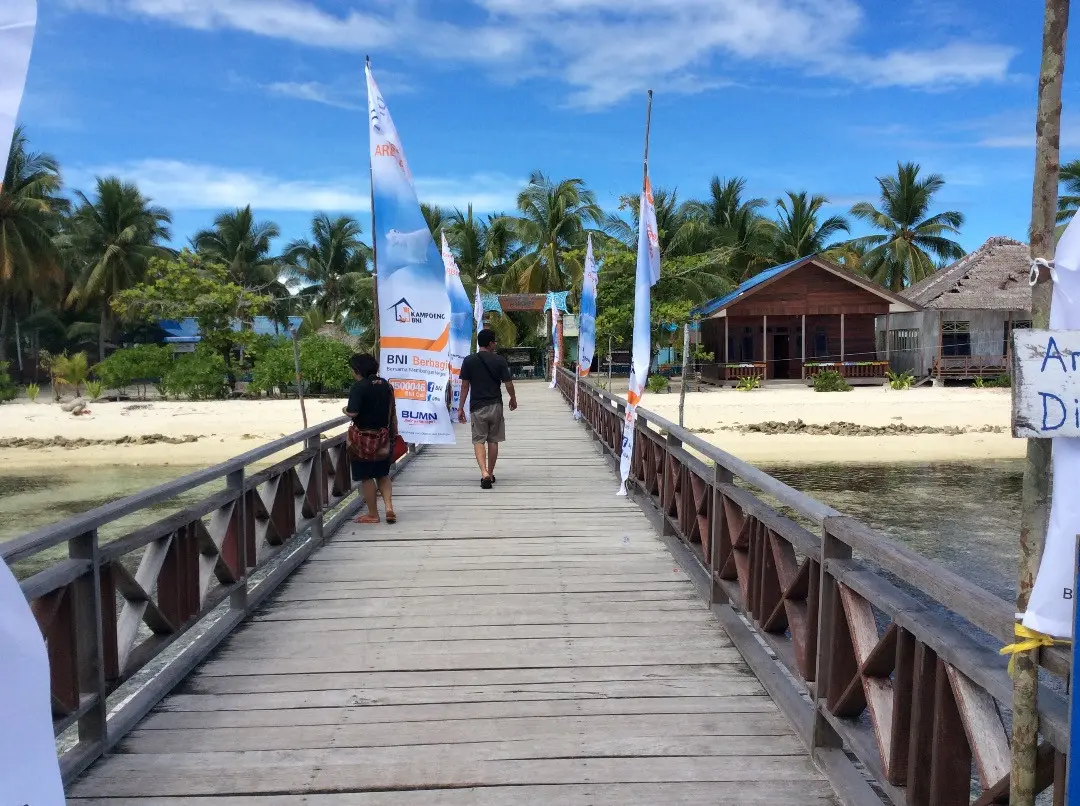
(234, 483)
(717, 523)
(667, 487)
(315, 444)
(89, 642)
(828, 604)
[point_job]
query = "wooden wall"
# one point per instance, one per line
(809, 290)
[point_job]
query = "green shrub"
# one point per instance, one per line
(197, 376)
(901, 380)
(73, 370)
(142, 364)
(749, 383)
(32, 392)
(95, 389)
(829, 380)
(324, 365)
(8, 390)
(1002, 382)
(657, 384)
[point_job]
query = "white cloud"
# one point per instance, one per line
(605, 50)
(1016, 129)
(183, 185)
(314, 91)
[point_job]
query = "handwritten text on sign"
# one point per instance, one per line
(1046, 383)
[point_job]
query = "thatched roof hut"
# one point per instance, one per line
(992, 278)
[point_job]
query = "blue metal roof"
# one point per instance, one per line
(186, 331)
(712, 306)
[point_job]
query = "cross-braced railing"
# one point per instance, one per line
(875, 651)
(112, 607)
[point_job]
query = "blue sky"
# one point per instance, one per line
(211, 104)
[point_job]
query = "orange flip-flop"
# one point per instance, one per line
(366, 519)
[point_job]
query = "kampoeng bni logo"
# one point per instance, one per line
(406, 314)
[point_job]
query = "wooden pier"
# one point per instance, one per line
(718, 638)
(533, 644)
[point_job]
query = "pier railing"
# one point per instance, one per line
(872, 649)
(110, 610)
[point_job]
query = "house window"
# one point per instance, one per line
(1017, 324)
(821, 343)
(955, 339)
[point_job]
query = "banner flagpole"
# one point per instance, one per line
(646, 276)
(374, 246)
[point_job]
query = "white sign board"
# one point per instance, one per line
(1046, 383)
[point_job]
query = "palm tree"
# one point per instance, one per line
(673, 223)
(332, 268)
(1069, 201)
(31, 263)
(114, 237)
(435, 216)
(913, 243)
(798, 231)
(726, 219)
(483, 248)
(552, 223)
(242, 244)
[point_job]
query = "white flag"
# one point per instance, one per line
(1050, 609)
(460, 325)
(414, 336)
(648, 272)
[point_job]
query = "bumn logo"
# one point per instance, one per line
(419, 416)
(401, 359)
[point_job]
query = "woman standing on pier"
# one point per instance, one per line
(372, 435)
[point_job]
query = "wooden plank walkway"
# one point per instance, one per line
(532, 644)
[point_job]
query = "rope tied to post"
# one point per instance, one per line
(1037, 265)
(1029, 639)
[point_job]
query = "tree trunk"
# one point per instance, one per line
(103, 329)
(1035, 506)
(5, 324)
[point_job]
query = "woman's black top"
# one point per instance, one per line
(370, 399)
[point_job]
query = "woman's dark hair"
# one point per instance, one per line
(364, 365)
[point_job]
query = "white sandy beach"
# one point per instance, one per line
(222, 429)
(974, 411)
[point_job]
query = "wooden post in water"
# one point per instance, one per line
(1036, 489)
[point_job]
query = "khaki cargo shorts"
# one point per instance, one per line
(488, 424)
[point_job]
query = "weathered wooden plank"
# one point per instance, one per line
(164, 776)
(459, 678)
(751, 793)
(732, 684)
(652, 735)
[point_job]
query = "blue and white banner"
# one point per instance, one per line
(18, 18)
(29, 771)
(648, 273)
(461, 325)
(415, 308)
(556, 342)
(586, 321)
(478, 310)
(1050, 609)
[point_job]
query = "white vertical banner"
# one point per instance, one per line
(461, 326)
(1050, 608)
(29, 771)
(415, 308)
(586, 322)
(478, 310)
(18, 18)
(648, 273)
(556, 341)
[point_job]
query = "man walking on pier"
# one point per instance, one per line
(482, 376)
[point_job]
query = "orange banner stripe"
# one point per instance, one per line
(410, 343)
